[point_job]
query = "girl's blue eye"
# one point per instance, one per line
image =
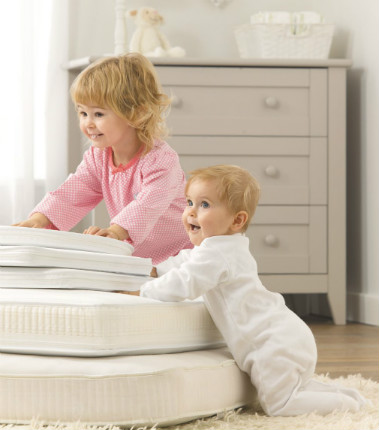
(99, 114)
(189, 202)
(205, 205)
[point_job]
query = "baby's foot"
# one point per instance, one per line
(355, 394)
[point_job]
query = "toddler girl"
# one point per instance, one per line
(121, 110)
(268, 341)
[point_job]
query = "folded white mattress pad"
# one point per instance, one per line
(97, 323)
(36, 256)
(128, 390)
(53, 278)
(15, 236)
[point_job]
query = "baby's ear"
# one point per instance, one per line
(240, 219)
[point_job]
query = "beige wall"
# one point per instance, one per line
(206, 31)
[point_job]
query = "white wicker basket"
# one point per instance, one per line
(284, 40)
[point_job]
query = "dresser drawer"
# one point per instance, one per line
(258, 102)
(289, 239)
(291, 171)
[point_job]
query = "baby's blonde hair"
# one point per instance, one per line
(236, 187)
(127, 85)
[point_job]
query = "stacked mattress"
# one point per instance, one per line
(71, 349)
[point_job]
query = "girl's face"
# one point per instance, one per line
(104, 128)
(205, 214)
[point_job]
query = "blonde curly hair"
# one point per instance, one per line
(236, 187)
(129, 86)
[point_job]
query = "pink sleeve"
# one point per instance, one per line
(162, 182)
(79, 194)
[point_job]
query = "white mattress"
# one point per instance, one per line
(128, 390)
(41, 277)
(98, 323)
(14, 236)
(36, 256)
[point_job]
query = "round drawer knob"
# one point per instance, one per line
(271, 240)
(271, 171)
(271, 102)
(176, 101)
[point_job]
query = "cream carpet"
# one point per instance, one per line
(366, 419)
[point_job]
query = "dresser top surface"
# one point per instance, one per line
(80, 63)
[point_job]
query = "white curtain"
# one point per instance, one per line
(33, 108)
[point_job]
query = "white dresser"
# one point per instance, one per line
(284, 121)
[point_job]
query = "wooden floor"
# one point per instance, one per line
(348, 349)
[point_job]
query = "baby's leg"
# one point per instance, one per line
(321, 398)
(282, 368)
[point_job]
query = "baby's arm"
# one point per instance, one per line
(176, 278)
(37, 220)
(195, 277)
(173, 262)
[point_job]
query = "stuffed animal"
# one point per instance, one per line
(147, 38)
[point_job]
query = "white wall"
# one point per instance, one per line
(206, 31)
(201, 28)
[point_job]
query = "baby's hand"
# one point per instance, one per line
(37, 220)
(131, 293)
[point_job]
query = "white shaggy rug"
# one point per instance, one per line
(245, 419)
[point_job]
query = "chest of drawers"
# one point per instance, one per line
(285, 123)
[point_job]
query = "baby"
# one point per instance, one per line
(268, 341)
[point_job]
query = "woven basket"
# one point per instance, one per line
(284, 40)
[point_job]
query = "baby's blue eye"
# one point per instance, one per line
(205, 205)
(189, 202)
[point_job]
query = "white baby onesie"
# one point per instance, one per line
(268, 341)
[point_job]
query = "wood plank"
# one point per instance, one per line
(346, 349)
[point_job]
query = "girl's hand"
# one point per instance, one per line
(93, 229)
(37, 220)
(114, 232)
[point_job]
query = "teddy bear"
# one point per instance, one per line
(147, 38)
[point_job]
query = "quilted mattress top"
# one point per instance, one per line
(99, 323)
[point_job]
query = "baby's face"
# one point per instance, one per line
(205, 214)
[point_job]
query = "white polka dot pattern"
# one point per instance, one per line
(146, 199)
